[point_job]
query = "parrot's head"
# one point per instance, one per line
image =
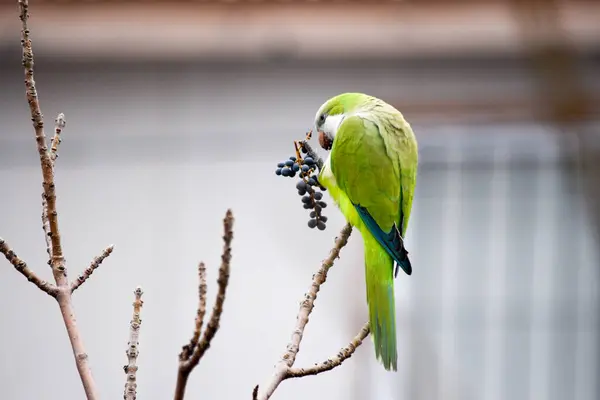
(332, 113)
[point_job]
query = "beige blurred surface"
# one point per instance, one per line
(300, 29)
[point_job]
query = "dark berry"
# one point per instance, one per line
(312, 223)
(301, 192)
(317, 208)
(318, 196)
(322, 204)
(313, 214)
(307, 206)
(278, 171)
(306, 200)
(286, 171)
(292, 174)
(320, 225)
(323, 218)
(309, 161)
(312, 182)
(289, 163)
(293, 158)
(305, 168)
(296, 167)
(301, 185)
(281, 165)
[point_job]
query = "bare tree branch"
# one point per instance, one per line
(193, 352)
(223, 280)
(202, 289)
(57, 260)
(188, 350)
(22, 267)
(334, 361)
(38, 124)
(289, 357)
(59, 125)
(132, 352)
(46, 228)
(90, 270)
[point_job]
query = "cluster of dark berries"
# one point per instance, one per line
(312, 200)
(309, 187)
(288, 167)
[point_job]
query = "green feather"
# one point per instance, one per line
(373, 164)
(380, 298)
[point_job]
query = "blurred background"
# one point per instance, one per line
(178, 110)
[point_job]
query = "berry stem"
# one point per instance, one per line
(312, 153)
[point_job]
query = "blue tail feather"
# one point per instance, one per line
(391, 241)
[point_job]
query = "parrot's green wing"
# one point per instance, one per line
(366, 160)
(373, 160)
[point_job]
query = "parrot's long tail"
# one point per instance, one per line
(380, 296)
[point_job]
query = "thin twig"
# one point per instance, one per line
(223, 281)
(46, 228)
(289, 357)
(132, 352)
(312, 153)
(59, 125)
(57, 260)
(22, 267)
(188, 349)
(334, 361)
(96, 262)
(187, 361)
(38, 124)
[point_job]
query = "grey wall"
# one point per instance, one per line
(503, 302)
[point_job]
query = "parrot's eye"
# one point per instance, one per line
(322, 119)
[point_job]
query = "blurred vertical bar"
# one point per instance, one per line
(496, 282)
(451, 226)
(542, 285)
(522, 200)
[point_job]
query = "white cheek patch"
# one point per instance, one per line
(332, 123)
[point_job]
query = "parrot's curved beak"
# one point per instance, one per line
(325, 140)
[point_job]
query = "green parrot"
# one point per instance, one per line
(371, 175)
